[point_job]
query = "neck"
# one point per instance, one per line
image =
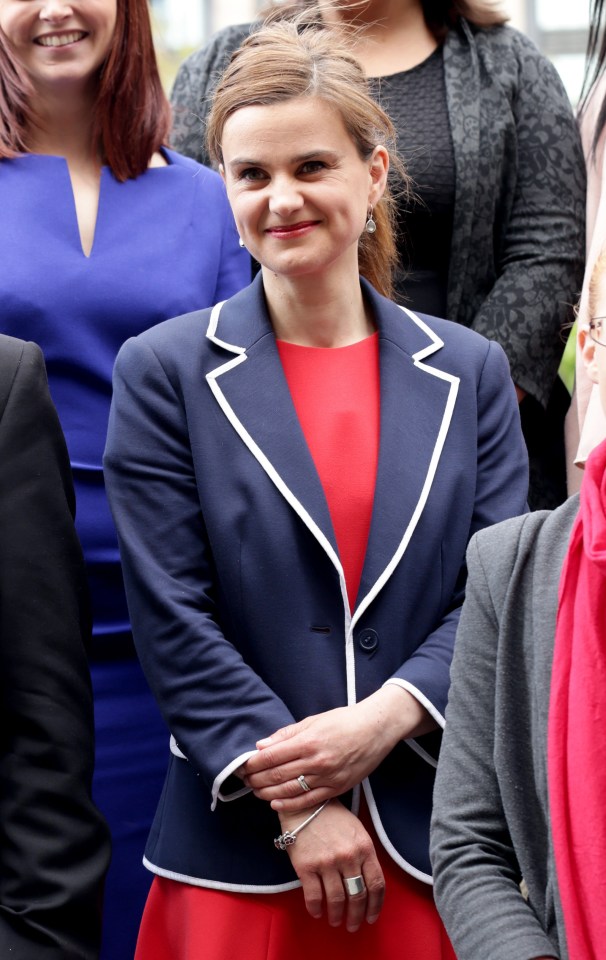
(366, 14)
(388, 35)
(317, 312)
(64, 127)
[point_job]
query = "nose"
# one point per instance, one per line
(285, 197)
(55, 10)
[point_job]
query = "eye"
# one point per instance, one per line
(252, 174)
(312, 166)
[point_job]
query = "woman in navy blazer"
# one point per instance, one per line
(286, 690)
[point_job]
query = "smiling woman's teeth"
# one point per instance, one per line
(54, 41)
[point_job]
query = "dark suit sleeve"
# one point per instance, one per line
(54, 846)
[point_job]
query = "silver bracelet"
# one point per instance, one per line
(287, 838)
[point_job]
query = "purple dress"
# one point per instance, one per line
(165, 243)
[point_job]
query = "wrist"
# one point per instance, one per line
(391, 712)
(289, 821)
(289, 835)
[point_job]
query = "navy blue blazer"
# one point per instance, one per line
(236, 591)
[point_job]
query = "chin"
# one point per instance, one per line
(301, 266)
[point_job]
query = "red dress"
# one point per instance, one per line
(337, 398)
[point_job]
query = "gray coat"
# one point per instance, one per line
(490, 822)
(517, 249)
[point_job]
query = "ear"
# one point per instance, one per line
(588, 351)
(222, 171)
(378, 169)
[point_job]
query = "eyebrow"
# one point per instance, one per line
(300, 158)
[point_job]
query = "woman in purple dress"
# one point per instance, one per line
(105, 233)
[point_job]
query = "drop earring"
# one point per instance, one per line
(371, 226)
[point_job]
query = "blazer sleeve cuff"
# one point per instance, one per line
(431, 709)
(420, 696)
(218, 793)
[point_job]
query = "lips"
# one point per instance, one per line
(292, 229)
(60, 39)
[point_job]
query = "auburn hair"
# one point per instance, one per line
(131, 113)
(289, 59)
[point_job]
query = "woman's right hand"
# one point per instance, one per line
(333, 847)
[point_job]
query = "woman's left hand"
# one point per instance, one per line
(332, 752)
(335, 848)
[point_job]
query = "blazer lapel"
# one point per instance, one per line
(251, 389)
(417, 402)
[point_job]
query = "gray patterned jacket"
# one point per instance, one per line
(519, 222)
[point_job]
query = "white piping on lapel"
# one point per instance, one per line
(274, 476)
(270, 470)
(212, 329)
(418, 358)
(212, 377)
(296, 504)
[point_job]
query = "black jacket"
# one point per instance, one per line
(54, 844)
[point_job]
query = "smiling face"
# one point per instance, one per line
(58, 43)
(298, 188)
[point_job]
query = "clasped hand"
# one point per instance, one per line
(333, 751)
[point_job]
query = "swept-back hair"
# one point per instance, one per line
(288, 59)
(131, 113)
(440, 15)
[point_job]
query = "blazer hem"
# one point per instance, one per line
(386, 842)
(219, 884)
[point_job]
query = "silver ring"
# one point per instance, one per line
(354, 886)
(304, 784)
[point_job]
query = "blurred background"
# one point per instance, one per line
(558, 27)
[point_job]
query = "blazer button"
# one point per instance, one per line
(368, 640)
